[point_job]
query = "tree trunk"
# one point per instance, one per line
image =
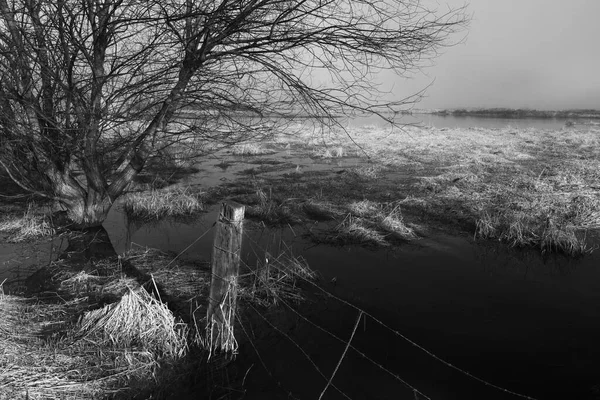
(83, 214)
(85, 206)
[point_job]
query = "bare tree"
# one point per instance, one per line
(91, 89)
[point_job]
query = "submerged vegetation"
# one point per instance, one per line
(524, 187)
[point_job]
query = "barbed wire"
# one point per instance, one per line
(395, 332)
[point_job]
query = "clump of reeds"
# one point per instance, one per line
(392, 222)
(160, 203)
(353, 230)
(320, 210)
(270, 210)
(249, 149)
(384, 220)
(326, 152)
(363, 208)
(137, 320)
(543, 229)
(368, 171)
(277, 278)
(31, 225)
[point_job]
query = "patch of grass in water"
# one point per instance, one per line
(276, 278)
(320, 210)
(31, 225)
(550, 221)
(161, 203)
(353, 230)
(270, 210)
(326, 152)
(368, 172)
(393, 224)
(249, 149)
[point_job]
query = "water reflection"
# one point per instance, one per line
(514, 317)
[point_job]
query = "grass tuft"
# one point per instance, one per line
(277, 278)
(393, 224)
(249, 149)
(161, 203)
(271, 210)
(326, 152)
(138, 319)
(320, 210)
(354, 230)
(31, 225)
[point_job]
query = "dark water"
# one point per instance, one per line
(513, 318)
(527, 323)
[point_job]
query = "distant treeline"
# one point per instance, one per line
(517, 113)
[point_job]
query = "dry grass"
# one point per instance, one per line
(31, 225)
(73, 349)
(327, 152)
(368, 172)
(277, 278)
(526, 187)
(321, 210)
(392, 222)
(354, 230)
(37, 366)
(376, 223)
(249, 149)
(161, 203)
(270, 209)
(543, 218)
(137, 320)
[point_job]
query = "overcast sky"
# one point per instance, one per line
(542, 54)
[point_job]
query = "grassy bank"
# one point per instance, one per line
(127, 327)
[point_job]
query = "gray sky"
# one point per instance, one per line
(542, 54)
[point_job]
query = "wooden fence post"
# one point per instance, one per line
(225, 265)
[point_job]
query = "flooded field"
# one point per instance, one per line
(524, 321)
(514, 318)
(491, 292)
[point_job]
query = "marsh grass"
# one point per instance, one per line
(369, 171)
(277, 278)
(101, 334)
(162, 203)
(355, 230)
(137, 320)
(321, 210)
(525, 187)
(249, 149)
(328, 152)
(551, 221)
(380, 222)
(31, 225)
(270, 210)
(47, 360)
(392, 222)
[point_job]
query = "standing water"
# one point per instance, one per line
(444, 317)
(511, 318)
